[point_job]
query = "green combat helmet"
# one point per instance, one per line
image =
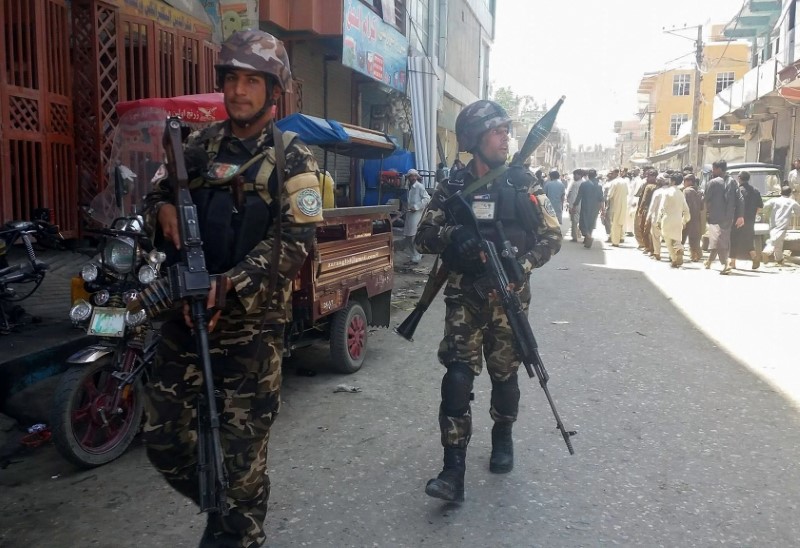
(255, 50)
(475, 119)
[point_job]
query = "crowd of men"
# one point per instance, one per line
(667, 210)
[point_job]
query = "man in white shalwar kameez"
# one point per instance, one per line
(654, 213)
(780, 211)
(634, 184)
(674, 216)
(617, 208)
(418, 198)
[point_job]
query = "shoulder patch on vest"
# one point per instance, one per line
(308, 202)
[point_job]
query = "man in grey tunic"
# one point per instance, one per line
(724, 208)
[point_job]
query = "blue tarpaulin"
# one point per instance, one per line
(313, 130)
(401, 161)
(343, 139)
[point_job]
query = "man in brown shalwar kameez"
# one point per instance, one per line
(692, 229)
(642, 226)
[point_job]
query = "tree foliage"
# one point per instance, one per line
(506, 98)
(517, 105)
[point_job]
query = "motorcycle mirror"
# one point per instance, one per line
(136, 225)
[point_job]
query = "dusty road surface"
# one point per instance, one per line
(680, 383)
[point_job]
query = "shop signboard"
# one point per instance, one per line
(373, 47)
(167, 16)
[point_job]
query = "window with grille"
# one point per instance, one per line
(391, 11)
(190, 57)
(675, 122)
(137, 40)
(210, 54)
(720, 126)
(166, 63)
(725, 80)
(418, 14)
(680, 84)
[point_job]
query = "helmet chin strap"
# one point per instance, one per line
(492, 164)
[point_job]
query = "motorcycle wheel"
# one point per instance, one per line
(79, 405)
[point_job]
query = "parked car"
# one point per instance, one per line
(766, 179)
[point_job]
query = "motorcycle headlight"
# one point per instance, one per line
(80, 311)
(118, 254)
(89, 272)
(132, 319)
(101, 297)
(146, 275)
(129, 295)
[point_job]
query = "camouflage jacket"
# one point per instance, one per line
(433, 233)
(250, 277)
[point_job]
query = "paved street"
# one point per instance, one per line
(680, 383)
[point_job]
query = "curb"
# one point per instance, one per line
(20, 372)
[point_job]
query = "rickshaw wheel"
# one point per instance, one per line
(349, 338)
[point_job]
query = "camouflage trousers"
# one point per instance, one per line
(476, 327)
(247, 379)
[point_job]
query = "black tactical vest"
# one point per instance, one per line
(230, 231)
(501, 202)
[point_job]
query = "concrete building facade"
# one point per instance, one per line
(667, 97)
(765, 99)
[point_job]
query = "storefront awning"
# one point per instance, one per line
(667, 152)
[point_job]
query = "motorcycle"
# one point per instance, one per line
(98, 403)
(97, 407)
(29, 273)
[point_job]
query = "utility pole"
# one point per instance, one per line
(694, 144)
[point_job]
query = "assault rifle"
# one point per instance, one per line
(189, 280)
(497, 281)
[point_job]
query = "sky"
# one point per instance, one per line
(595, 53)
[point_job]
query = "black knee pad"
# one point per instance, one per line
(456, 389)
(505, 396)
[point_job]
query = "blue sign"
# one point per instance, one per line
(373, 47)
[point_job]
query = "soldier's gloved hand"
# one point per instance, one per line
(519, 177)
(465, 242)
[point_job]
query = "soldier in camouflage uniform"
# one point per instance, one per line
(246, 336)
(474, 325)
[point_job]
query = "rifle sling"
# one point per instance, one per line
(280, 164)
(485, 179)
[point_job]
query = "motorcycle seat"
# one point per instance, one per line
(21, 225)
(21, 272)
(9, 269)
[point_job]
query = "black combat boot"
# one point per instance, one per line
(502, 459)
(449, 484)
